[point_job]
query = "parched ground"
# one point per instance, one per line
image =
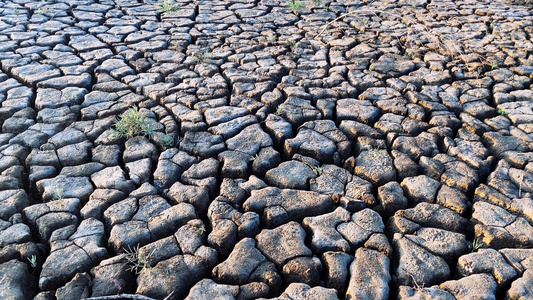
(294, 150)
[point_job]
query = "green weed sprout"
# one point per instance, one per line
(137, 261)
(33, 261)
(169, 6)
(296, 5)
(133, 123)
(59, 194)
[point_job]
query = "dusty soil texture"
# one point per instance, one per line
(291, 149)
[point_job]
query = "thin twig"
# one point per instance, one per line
(344, 16)
(128, 296)
(120, 297)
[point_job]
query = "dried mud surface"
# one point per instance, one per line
(296, 149)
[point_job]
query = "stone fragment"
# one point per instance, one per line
(320, 140)
(35, 72)
(202, 144)
(415, 265)
(433, 215)
(379, 242)
(177, 274)
(170, 166)
(80, 252)
(420, 189)
(336, 265)
(207, 289)
(250, 140)
(290, 175)
(415, 147)
(404, 165)
(458, 174)
(332, 180)
(357, 110)
(440, 242)
(283, 243)
(198, 196)
(235, 164)
(487, 261)
(362, 225)
(74, 154)
(191, 236)
(137, 148)
(84, 43)
(391, 198)
(521, 288)
(12, 202)
(360, 190)
(218, 115)
(392, 64)
(453, 199)
(278, 129)
(16, 279)
(112, 276)
(246, 264)
(498, 228)
(370, 275)
(434, 292)
(520, 259)
(277, 207)
(303, 269)
(112, 178)
(139, 171)
(481, 285)
(297, 111)
(324, 237)
(171, 219)
(375, 166)
(266, 159)
(79, 287)
(301, 291)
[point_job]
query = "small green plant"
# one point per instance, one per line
(201, 58)
(295, 5)
(318, 170)
(293, 44)
(42, 10)
(59, 194)
(203, 229)
(133, 123)
(476, 244)
(137, 260)
(167, 141)
(502, 112)
(363, 21)
(410, 54)
(493, 65)
(33, 261)
(169, 6)
(254, 157)
(279, 110)
(16, 11)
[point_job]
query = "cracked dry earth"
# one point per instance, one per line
(389, 157)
